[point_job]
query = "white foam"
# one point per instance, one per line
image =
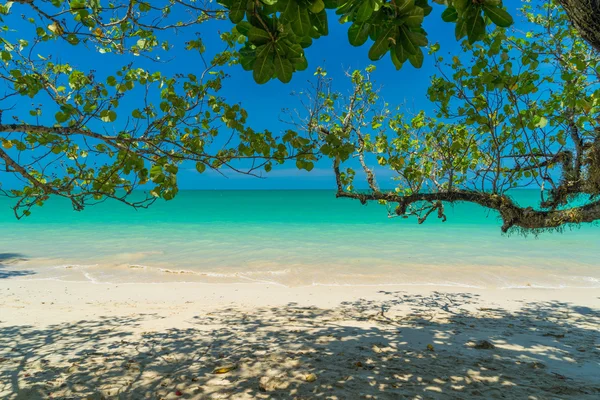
(73, 266)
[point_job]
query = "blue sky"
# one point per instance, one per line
(336, 55)
(264, 102)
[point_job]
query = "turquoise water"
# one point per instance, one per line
(290, 238)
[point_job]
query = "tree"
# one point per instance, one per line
(585, 16)
(276, 32)
(90, 135)
(523, 111)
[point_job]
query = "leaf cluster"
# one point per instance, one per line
(275, 33)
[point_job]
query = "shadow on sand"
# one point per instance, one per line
(363, 349)
(10, 259)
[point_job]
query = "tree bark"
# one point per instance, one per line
(585, 16)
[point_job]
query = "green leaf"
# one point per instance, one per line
(414, 19)
(542, 123)
(247, 62)
(364, 11)
(406, 40)
(499, 16)
(397, 63)
(292, 50)
(200, 167)
(108, 116)
(418, 39)
(302, 26)
(319, 21)
(297, 17)
(462, 5)
(72, 39)
(417, 59)
(61, 117)
(401, 53)
(243, 27)
(317, 6)
(358, 33)
(381, 45)
(460, 30)
(258, 36)
(475, 28)
(263, 66)
(300, 64)
(450, 14)
(404, 6)
(237, 11)
(283, 68)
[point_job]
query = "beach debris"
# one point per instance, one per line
(224, 369)
(430, 347)
(272, 383)
(537, 365)
(487, 309)
(555, 335)
(358, 364)
(484, 345)
(560, 376)
(178, 393)
(310, 377)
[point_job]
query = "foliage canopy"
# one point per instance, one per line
(88, 135)
(517, 111)
(276, 32)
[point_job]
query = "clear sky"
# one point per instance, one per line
(264, 103)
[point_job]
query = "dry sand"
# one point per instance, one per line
(246, 341)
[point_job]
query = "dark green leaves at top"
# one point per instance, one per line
(397, 25)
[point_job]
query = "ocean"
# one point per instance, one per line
(292, 238)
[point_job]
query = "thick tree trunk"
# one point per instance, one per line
(585, 16)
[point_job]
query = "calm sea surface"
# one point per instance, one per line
(291, 238)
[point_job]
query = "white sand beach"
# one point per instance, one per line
(73, 340)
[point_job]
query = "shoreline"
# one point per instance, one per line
(459, 277)
(249, 281)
